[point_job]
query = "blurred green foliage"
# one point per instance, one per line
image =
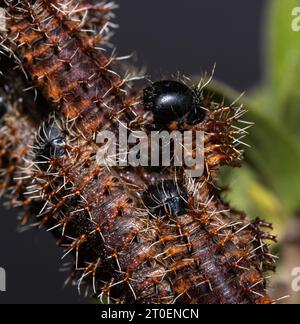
(268, 185)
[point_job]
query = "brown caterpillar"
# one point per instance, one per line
(190, 247)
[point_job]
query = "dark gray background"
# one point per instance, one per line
(168, 36)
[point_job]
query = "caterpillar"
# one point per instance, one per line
(137, 234)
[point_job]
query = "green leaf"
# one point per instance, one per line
(282, 63)
(274, 155)
(250, 195)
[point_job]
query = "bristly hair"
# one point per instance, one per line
(199, 251)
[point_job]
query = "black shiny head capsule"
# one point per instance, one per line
(171, 101)
(50, 142)
(166, 197)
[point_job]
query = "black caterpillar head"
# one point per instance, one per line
(171, 101)
(166, 197)
(50, 141)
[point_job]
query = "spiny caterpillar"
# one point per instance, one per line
(137, 234)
